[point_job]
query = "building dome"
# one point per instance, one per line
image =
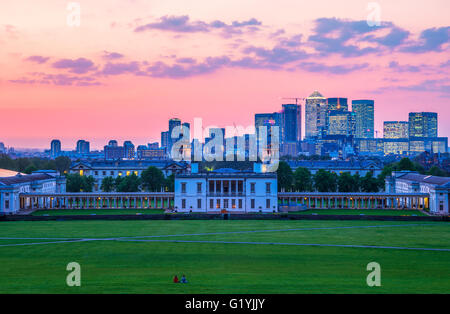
(316, 94)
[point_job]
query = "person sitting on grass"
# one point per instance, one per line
(183, 279)
(175, 279)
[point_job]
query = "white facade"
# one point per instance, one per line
(438, 188)
(229, 191)
(37, 182)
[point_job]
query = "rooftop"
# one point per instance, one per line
(426, 179)
(19, 178)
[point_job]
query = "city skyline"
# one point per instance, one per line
(132, 65)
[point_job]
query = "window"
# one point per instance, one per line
(240, 186)
(240, 203)
(6, 204)
(104, 173)
(211, 186)
(199, 203)
(252, 187)
(211, 203)
(252, 203)
(268, 203)
(183, 203)
(218, 186)
(233, 203)
(225, 203)
(112, 173)
(96, 173)
(199, 187)
(267, 187)
(218, 203)
(226, 187)
(183, 187)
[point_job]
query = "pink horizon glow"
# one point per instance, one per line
(151, 78)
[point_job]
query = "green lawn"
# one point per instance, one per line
(117, 266)
(132, 211)
(382, 212)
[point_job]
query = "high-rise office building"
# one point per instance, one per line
(113, 151)
(337, 104)
(83, 147)
(341, 122)
(55, 148)
(2, 148)
(364, 118)
(423, 124)
(173, 123)
(291, 123)
(128, 148)
(395, 130)
(315, 115)
(165, 139)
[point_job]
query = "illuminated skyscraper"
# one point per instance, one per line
(291, 123)
(337, 104)
(315, 114)
(423, 124)
(364, 118)
(395, 130)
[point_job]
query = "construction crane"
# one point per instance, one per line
(296, 99)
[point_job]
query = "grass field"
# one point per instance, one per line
(380, 212)
(225, 256)
(57, 212)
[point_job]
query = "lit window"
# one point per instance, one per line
(81, 172)
(128, 173)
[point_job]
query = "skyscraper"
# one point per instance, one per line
(315, 114)
(173, 123)
(165, 139)
(337, 104)
(395, 130)
(291, 123)
(55, 148)
(128, 148)
(423, 124)
(364, 118)
(341, 122)
(83, 147)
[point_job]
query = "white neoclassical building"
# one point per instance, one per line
(42, 181)
(226, 190)
(438, 188)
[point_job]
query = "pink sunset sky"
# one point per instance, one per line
(132, 64)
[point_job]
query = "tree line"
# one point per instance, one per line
(29, 164)
(152, 179)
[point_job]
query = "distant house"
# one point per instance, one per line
(43, 181)
(100, 169)
(339, 166)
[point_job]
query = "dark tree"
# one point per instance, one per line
(285, 176)
(303, 180)
(325, 181)
(107, 184)
(153, 179)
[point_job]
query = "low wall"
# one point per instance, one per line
(178, 216)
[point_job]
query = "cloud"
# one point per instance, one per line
(209, 65)
(112, 55)
(272, 58)
(183, 24)
(58, 79)
(431, 39)
(120, 68)
(37, 59)
(404, 68)
(78, 66)
(333, 69)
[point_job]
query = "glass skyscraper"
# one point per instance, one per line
(423, 124)
(291, 123)
(337, 104)
(364, 118)
(395, 130)
(315, 114)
